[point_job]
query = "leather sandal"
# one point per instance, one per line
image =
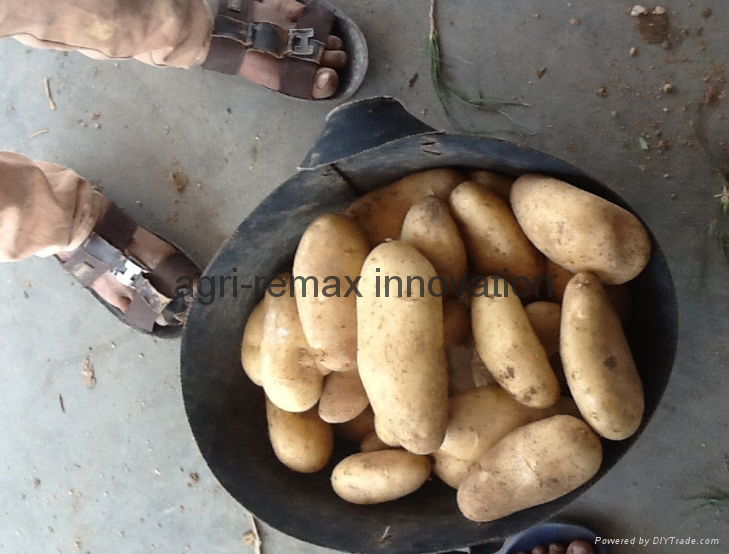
(166, 290)
(300, 49)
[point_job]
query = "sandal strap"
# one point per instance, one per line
(167, 275)
(116, 227)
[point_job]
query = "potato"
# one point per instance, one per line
(598, 364)
(372, 443)
(381, 476)
(510, 348)
(328, 259)
(479, 418)
(381, 213)
(456, 323)
(460, 376)
(430, 228)
(545, 319)
(288, 373)
(533, 464)
(250, 350)
(494, 240)
(302, 442)
(384, 434)
(499, 184)
(401, 357)
(450, 469)
(343, 397)
(579, 230)
(358, 428)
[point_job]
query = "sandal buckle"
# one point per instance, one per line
(128, 273)
(300, 42)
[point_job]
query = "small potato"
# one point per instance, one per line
(508, 345)
(497, 183)
(250, 351)
(328, 258)
(343, 397)
(288, 372)
(579, 230)
(450, 469)
(430, 228)
(381, 213)
(358, 428)
(302, 442)
(372, 443)
(598, 364)
(460, 376)
(456, 323)
(494, 240)
(400, 355)
(533, 464)
(545, 319)
(382, 476)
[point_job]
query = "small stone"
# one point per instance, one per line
(707, 13)
(602, 91)
(540, 72)
(666, 44)
(574, 21)
(633, 52)
(638, 10)
(659, 10)
(667, 88)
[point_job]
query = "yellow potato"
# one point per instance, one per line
(494, 240)
(510, 348)
(343, 397)
(533, 464)
(302, 442)
(358, 428)
(401, 357)
(329, 258)
(372, 443)
(450, 469)
(579, 230)
(288, 373)
(598, 364)
(381, 476)
(430, 228)
(479, 418)
(250, 351)
(384, 434)
(456, 323)
(545, 319)
(497, 183)
(381, 213)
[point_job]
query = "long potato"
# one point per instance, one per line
(451, 470)
(510, 348)
(533, 464)
(328, 259)
(598, 364)
(250, 350)
(343, 397)
(401, 356)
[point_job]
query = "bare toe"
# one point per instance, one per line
(293, 10)
(325, 83)
(334, 43)
(334, 58)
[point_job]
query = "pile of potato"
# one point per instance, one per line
(503, 398)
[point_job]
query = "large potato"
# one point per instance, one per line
(343, 397)
(545, 318)
(250, 350)
(456, 323)
(430, 228)
(358, 428)
(288, 373)
(510, 348)
(533, 464)
(401, 356)
(479, 418)
(380, 476)
(302, 442)
(381, 213)
(598, 364)
(497, 183)
(494, 240)
(329, 257)
(579, 230)
(384, 434)
(450, 469)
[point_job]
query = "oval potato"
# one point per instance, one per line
(250, 350)
(497, 183)
(302, 442)
(450, 469)
(381, 213)
(358, 428)
(343, 397)
(598, 364)
(430, 228)
(401, 357)
(288, 372)
(494, 240)
(533, 464)
(384, 434)
(381, 476)
(579, 230)
(329, 257)
(545, 318)
(510, 348)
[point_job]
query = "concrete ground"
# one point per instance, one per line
(114, 468)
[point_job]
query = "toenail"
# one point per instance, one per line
(322, 80)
